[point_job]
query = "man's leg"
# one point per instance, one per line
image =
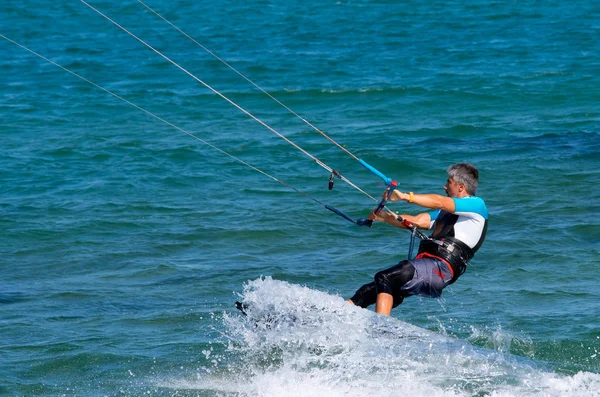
(365, 296)
(384, 303)
(388, 283)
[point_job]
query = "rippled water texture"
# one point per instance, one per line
(125, 241)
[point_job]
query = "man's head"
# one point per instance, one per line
(462, 180)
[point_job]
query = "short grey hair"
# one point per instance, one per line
(466, 174)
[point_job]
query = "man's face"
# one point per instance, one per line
(452, 188)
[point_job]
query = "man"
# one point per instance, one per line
(459, 225)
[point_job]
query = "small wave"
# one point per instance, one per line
(13, 297)
(502, 340)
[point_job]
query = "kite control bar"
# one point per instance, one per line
(390, 183)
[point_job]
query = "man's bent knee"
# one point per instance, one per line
(391, 280)
(383, 283)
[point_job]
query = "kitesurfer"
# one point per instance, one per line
(459, 225)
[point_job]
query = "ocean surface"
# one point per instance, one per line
(125, 241)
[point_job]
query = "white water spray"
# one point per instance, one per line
(296, 341)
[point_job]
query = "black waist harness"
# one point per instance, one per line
(453, 251)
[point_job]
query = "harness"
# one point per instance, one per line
(452, 251)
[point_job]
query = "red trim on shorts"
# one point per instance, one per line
(422, 254)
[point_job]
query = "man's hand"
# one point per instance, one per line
(397, 195)
(383, 216)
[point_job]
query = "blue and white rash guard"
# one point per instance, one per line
(468, 222)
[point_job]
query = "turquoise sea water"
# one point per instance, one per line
(124, 242)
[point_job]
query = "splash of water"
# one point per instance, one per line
(296, 341)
